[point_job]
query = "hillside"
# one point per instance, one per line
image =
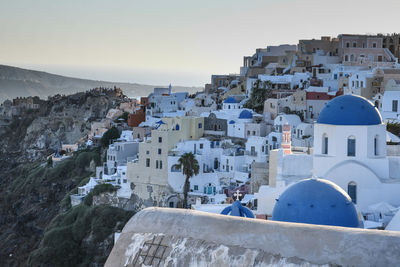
(15, 82)
(33, 194)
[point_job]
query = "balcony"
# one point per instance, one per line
(251, 153)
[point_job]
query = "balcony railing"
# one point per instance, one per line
(251, 153)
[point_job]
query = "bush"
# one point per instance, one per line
(111, 134)
(67, 243)
(394, 128)
(83, 159)
(50, 162)
(88, 201)
(259, 93)
(123, 116)
(102, 188)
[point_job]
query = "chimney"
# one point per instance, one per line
(286, 139)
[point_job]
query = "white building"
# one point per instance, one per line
(350, 150)
(221, 164)
(163, 101)
(390, 108)
(287, 81)
(118, 154)
(282, 119)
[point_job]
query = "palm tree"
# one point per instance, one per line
(190, 167)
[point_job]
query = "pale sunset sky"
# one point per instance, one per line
(181, 42)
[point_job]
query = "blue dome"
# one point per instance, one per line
(236, 209)
(232, 122)
(350, 110)
(230, 100)
(245, 114)
(316, 201)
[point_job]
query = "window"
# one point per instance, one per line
(394, 105)
(325, 144)
(160, 164)
(201, 146)
(147, 162)
(216, 163)
(352, 191)
(175, 168)
(196, 187)
(354, 44)
(351, 146)
(200, 125)
(347, 44)
(156, 164)
(177, 127)
(376, 153)
(147, 152)
(374, 45)
(159, 151)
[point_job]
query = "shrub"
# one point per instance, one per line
(102, 188)
(111, 134)
(67, 243)
(394, 128)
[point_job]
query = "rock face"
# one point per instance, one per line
(31, 194)
(59, 120)
(176, 237)
(111, 199)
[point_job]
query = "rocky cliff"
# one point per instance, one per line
(34, 202)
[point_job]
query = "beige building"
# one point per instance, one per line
(327, 44)
(364, 50)
(294, 102)
(149, 174)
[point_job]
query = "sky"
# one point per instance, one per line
(181, 42)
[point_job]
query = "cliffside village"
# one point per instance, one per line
(308, 126)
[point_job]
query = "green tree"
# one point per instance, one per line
(190, 167)
(124, 116)
(111, 134)
(394, 128)
(50, 161)
(260, 92)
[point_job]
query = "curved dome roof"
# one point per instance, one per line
(349, 110)
(316, 201)
(230, 100)
(232, 122)
(236, 209)
(245, 114)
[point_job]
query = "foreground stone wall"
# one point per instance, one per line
(176, 237)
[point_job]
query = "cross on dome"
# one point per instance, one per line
(237, 194)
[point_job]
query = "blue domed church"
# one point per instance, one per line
(316, 201)
(350, 150)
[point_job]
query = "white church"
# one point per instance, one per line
(350, 150)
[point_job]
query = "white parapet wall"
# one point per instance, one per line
(177, 237)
